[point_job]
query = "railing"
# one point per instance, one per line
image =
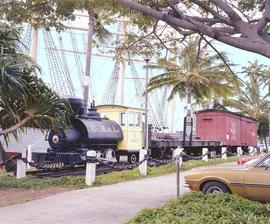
(24, 161)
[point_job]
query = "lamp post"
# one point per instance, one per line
(147, 59)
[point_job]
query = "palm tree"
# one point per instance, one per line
(25, 100)
(197, 75)
(252, 99)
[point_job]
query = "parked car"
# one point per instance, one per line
(252, 182)
(250, 162)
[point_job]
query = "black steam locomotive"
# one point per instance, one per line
(88, 131)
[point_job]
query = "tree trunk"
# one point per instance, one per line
(265, 143)
(268, 106)
(87, 80)
(2, 153)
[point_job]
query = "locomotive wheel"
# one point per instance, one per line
(109, 154)
(132, 158)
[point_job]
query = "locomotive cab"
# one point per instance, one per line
(130, 120)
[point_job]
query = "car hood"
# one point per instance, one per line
(219, 168)
(216, 171)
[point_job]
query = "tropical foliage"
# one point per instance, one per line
(195, 73)
(24, 98)
(252, 98)
(39, 13)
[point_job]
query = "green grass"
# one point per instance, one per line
(111, 178)
(197, 208)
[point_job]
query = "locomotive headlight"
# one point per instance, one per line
(55, 139)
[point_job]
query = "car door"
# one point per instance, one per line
(257, 181)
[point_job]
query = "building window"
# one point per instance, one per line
(137, 119)
(131, 119)
(123, 119)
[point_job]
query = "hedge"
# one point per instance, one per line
(196, 208)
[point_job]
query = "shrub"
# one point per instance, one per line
(197, 208)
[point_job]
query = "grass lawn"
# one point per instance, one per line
(75, 182)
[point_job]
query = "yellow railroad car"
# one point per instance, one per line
(130, 120)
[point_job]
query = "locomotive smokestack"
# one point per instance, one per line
(77, 105)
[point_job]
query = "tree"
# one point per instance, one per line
(263, 130)
(251, 99)
(242, 24)
(40, 13)
(96, 13)
(25, 100)
(199, 75)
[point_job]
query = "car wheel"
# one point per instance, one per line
(215, 187)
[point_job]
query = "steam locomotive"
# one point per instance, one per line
(87, 131)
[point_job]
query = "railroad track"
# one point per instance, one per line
(80, 171)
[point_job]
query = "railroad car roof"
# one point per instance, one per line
(226, 112)
(115, 105)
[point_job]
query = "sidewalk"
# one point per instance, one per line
(113, 204)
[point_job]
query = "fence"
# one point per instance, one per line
(178, 156)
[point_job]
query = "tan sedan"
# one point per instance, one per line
(252, 181)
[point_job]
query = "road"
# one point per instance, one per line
(112, 204)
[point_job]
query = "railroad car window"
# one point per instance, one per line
(131, 119)
(123, 119)
(137, 119)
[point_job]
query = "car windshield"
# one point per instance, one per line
(265, 163)
(252, 161)
(261, 161)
